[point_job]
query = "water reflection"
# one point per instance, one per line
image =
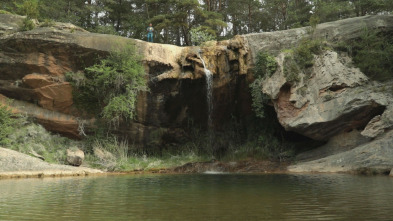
(198, 197)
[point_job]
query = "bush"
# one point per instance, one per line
(5, 12)
(199, 36)
(47, 23)
(110, 88)
(291, 68)
(33, 139)
(259, 99)
(305, 51)
(300, 58)
(265, 65)
(8, 124)
(27, 25)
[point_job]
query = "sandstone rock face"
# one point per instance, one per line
(375, 157)
(9, 24)
(75, 157)
(332, 99)
(33, 65)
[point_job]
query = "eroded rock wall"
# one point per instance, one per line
(33, 65)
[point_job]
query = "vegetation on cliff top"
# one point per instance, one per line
(173, 20)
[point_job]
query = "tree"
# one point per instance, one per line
(180, 17)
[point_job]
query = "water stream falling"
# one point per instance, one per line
(209, 92)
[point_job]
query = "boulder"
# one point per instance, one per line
(391, 173)
(379, 124)
(75, 157)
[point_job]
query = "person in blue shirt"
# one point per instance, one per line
(150, 30)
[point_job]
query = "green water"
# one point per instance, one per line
(198, 197)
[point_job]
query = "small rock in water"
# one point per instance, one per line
(75, 157)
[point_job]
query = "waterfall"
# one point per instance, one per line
(209, 92)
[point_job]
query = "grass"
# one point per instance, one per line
(33, 139)
(107, 154)
(5, 12)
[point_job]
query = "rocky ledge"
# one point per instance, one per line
(17, 165)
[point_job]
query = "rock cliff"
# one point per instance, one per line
(334, 102)
(33, 65)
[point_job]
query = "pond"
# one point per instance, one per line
(199, 197)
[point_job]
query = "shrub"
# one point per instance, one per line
(8, 124)
(110, 87)
(300, 58)
(259, 99)
(265, 65)
(27, 24)
(305, 51)
(200, 36)
(33, 139)
(291, 68)
(47, 23)
(5, 12)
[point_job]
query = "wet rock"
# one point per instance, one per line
(75, 157)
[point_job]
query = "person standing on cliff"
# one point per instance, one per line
(150, 30)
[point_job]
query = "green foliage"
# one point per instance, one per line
(117, 155)
(27, 25)
(305, 51)
(47, 23)
(314, 21)
(5, 12)
(265, 65)
(199, 36)
(33, 139)
(373, 54)
(30, 8)
(105, 29)
(291, 68)
(300, 58)
(259, 99)
(8, 124)
(112, 85)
